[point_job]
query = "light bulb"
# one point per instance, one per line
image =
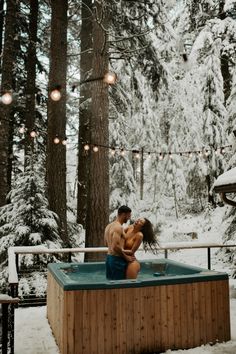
(113, 151)
(160, 156)
(110, 78)
(64, 141)
(122, 152)
(137, 155)
(86, 147)
(95, 148)
(55, 95)
(7, 98)
(56, 140)
(33, 133)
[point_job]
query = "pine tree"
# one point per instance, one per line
(214, 112)
(26, 220)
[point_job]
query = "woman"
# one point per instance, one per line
(140, 231)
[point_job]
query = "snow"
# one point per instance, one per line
(4, 297)
(32, 331)
(229, 4)
(226, 178)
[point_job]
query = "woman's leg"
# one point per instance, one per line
(132, 270)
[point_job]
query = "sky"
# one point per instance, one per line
(32, 331)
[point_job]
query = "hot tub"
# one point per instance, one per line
(169, 306)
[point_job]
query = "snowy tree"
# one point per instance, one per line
(26, 220)
(214, 111)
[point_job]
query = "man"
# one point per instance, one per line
(117, 260)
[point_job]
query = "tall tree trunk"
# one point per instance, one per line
(6, 110)
(98, 201)
(1, 28)
(56, 153)
(226, 76)
(85, 109)
(31, 77)
(210, 196)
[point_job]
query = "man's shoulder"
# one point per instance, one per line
(114, 226)
(111, 224)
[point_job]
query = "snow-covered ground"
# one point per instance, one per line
(33, 334)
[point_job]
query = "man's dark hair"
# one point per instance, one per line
(124, 209)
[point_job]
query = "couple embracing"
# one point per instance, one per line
(121, 262)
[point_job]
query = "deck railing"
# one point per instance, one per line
(14, 252)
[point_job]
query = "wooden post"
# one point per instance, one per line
(209, 257)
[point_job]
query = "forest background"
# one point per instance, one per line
(155, 140)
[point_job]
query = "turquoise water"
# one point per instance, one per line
(79, 276)
(86, 272)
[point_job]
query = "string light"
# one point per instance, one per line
(113, 151)
(33, 133)
(122, 152)
(136, 154)
(110, 78)
(160, 156)
(56, 140)
(86, 147)
(95, 148)
(7, 98)
(55, 94)
(64, 141)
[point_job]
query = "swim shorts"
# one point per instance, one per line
(115, 267)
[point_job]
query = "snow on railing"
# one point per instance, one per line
(13, 251)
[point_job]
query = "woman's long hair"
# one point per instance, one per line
(149, 239)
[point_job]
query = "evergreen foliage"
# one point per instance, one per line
(26, 219)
